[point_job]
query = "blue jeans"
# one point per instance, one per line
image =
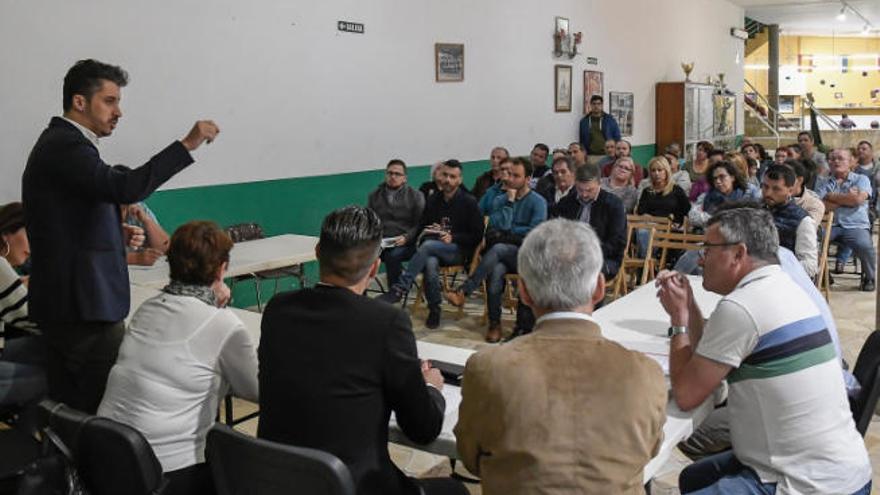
(22, 377)
(393, 259)
(642, 236)
(499, 260)
(724, 474)
(430, 256)
(860, 242)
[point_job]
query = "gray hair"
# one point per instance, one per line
(753, 227)
(560, 262)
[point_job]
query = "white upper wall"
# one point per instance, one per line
(294, 97)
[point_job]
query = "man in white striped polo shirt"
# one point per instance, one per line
(790, 424)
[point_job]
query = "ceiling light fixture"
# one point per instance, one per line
(842, 15)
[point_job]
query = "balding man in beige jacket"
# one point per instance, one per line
(561, 410)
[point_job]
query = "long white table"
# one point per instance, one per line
(246, 257)
(636, 321)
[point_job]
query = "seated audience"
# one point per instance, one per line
(538, 156)
(180, 354)
(511, 217)
(600, 209)
(781, 155)
(847, 194)
(600, 415)
(610, 154)
(697, 170)
(451, 228)
(433, 186)
(797, 230)
(795, 152)
(578, 154)
(790, 425)
(22, 377)
(491, 176)
(809, 150)
(753, 191)
(728, 184)
(547, 184)
(621, 183)
(497, 188)
(563, 181)
(663, 198)
(803, 197)
(623, 150)
(334, 365)
(400, 207)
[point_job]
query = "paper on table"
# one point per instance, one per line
(452, 396)
(658, 351)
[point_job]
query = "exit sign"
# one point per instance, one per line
(350, 27)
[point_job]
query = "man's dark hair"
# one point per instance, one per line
(784, 172)
(586, 173)
(597, 98)
(706, 146)
(453, 163)
(542, 146)
(805, 133)
(796, 147)
(87, 76)
(762, 153)
(865, 142)
(715, 152)
(349, 242)
(396, 161)
(508, 159)
(739, 182)
(812, 169)
(566, 160)
(525, 163)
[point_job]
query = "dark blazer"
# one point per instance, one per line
(607, 218)
(71, 200)
(333, 365)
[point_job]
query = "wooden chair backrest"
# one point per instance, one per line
(823, 281)
(677, 241)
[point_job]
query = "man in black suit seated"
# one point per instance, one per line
(588, 203)
(79, 290)
(335, 363)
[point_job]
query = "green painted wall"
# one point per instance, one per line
(295, 205)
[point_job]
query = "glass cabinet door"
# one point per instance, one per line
(706, 124)
(691, 113)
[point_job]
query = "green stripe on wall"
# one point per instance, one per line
(296, 205)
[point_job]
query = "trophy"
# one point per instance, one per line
(687, 67)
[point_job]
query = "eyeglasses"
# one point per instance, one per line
(704, 246)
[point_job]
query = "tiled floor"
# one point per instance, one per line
(853, 310)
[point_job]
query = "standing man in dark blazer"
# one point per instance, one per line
(79, 289)
(335, 363)
(587, 202)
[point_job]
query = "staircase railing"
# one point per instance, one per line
(820, 115)
(773, 119)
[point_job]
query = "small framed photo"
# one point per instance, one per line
(621, 108)
(593, 85)
(449, 62)
(562, 25)
(562, 91)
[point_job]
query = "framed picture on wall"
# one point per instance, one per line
(621, 108)
(562, 92)
(593, 85)
(449, 62)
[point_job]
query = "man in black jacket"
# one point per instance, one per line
(334, 364)
(79, 290)
(451, 228)
(604, 212)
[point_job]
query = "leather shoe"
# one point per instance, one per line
(493, 335)
(867, 286)
(433, 320)
(455, 298)
(390, 297)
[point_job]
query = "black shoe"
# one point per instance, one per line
(433, 320)
(867, 286)
(391, 297)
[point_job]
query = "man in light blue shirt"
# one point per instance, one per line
(847, 193)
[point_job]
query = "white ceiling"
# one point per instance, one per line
(814, 16)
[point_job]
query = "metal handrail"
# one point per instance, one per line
(775, 111)
(822, 115)
(766, 123)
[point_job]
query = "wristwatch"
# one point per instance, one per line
(673, 331)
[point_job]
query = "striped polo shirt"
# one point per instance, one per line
(789, 416)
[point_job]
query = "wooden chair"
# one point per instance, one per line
(823, 277)
(676, 241)
(631, 262)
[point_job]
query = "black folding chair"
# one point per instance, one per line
(244, 465)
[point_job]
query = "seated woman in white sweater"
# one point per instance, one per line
(180, 354)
